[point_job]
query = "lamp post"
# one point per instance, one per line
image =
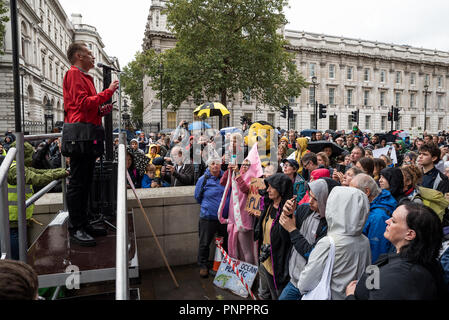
(426, 92)
(161, 68)
(125, 115)
(314, 82)
(48, 115)
(22, 73)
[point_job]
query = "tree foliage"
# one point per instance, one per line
(132, 84)
(225, 47)
(3, 19)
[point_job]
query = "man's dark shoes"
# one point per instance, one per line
(96, 230)
(81, 238)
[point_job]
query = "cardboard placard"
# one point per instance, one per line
(253, 201)
(226, 278)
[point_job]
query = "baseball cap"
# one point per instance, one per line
(292, 162)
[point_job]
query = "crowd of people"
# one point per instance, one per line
(388, 211)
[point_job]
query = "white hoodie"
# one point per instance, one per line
(346, 213)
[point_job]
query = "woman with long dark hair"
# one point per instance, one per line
(413, 272)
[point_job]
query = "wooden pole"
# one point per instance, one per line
(152, 230)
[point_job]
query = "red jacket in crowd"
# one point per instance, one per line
(81, 101)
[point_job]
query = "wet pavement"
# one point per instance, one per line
(157, 284)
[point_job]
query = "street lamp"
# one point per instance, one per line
(22, 74)
(48, 115)
(426, 92)
(314, 82)
(125, 114)
(161, 68)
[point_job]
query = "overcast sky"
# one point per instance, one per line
(418, 23)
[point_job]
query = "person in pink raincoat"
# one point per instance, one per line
(241, 243)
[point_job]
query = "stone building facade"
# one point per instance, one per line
(351, 74)
(45, 33)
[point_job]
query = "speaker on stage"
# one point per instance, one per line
(103, 194)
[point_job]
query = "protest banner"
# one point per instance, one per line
(388, 151)
(253, 201)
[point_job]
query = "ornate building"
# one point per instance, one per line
(351, 74)
(45, 32)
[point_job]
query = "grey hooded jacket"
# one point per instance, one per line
(346, 213)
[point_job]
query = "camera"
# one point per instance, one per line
(264, 252)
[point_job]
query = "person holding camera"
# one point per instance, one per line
(274, 250)
(303, 227)
(177, 172)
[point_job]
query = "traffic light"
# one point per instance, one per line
(355, 116)
(396, 114)
(284, 112)
(290, 112)
(323, 111)
(242, 120)
(390, 116)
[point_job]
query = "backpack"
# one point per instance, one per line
(433, 199)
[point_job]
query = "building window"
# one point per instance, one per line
(366, 74)
(398, 99)
(171, 120)
(349, 73)
(292, 100)
(427, 79)
(398, 77)
(350, 121)
(331, 96)
(382, 98)
(292, 122)
(412, 78)
(440, 123)
(249, 116)
(312, 120)
(366, 98)
(412, 100)
(332, 71)
(349, 97)
(382, 76)
(312, 69)
(413, 123)
(271, 119)
(312, 96)
(367, 122)
(439, 101)
(247, 97)
(440, 82)
(383, 125)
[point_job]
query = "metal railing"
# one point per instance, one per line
(18, 155)
(122, 279)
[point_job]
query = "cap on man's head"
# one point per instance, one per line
(292, 162)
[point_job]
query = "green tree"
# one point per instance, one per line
(132, 84)
(3, 19)
(225, 47)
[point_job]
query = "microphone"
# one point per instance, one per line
(100, 65)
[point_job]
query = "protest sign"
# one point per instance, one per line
(389, 151)
(253, 201)
(226, 278)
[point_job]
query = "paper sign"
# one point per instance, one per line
(389, 151)
(227, 279)
(253, 201)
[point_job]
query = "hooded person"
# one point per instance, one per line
(315, 175)
(346, 213)
(301, 150)
(240, 223)
(392, 179)
(153, 153)
(274, 251)
(306, 227)
(33, 178)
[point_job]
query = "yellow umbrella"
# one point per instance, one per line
(211, 109)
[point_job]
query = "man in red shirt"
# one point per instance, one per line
(82, 104)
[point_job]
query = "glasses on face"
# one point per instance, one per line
(246, 165)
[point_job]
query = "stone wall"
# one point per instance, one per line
(172, 212)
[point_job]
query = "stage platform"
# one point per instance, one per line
(55, 259)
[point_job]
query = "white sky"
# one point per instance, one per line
(418, 23)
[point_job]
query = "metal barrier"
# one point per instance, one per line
(18, 155)
(122, 279)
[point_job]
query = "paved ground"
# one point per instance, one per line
(157, 284)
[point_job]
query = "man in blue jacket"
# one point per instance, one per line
(208, 193)
(382, 206)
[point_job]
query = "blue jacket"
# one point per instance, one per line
(380, 211)
(210, 198)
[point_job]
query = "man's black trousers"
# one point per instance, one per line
(78, 189)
